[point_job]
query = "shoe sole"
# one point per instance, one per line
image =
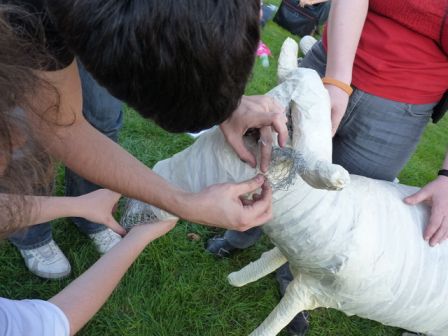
(52, 276)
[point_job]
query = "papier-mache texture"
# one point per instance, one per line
(359, 249)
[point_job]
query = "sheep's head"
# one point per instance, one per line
(309, 152)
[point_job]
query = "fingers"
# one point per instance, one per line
(255, 112)
(265, 148)
(437, 230)
(263, 205)
(250, 185)
(240, 149)
(418, 197)
(269, 113)
(271, 116)
(434, 194)
(431, 229)
(260, 211)
(279, 125)
(245, 201)
(445, 225)
(255, 197)
(278, 122)
(114, 226)
(276, 119)
(233, 210)
(431, 233)
(168, 224)
(115, 195)
(112, 223)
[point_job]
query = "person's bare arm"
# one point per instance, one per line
(345, 24)
(84, 296)
(97, 158)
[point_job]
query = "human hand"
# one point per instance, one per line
(339, 101)
(98, 207)
(222, 205)
(304, 3)
(261, 112)
(434, 194)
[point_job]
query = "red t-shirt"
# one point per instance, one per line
(403, 51)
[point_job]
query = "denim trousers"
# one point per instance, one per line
(376, 137)
(104, 112)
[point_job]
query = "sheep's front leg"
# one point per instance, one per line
(267, 263)
(296, 299)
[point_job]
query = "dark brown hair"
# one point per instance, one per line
(184, 64)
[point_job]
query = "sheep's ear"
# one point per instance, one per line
(287, 61)
(325, 175)
(287, 66)
(311, 123)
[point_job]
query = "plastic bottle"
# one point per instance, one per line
(264, 60)
(263, 52)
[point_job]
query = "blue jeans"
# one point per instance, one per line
(376, 137)
(104, 112)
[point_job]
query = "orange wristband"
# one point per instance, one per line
(331, 81)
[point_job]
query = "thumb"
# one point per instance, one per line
(114, 226)
(250, 185)
(416, 198)
(243, 153)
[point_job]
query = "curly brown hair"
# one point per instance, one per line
(25, 166)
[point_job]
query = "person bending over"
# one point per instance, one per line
(26, 169)
(184, 65)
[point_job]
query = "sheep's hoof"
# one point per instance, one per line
(235, 280)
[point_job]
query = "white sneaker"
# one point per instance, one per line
(105, 240)
(306, 43)
(47, 261)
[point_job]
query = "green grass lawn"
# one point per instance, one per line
(175, 287)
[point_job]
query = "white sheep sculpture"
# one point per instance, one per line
(358, 250)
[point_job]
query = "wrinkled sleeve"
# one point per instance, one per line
(32, 317)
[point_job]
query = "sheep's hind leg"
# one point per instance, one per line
(296, 299)
(267, 263)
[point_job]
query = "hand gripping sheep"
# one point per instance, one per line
(359, 250)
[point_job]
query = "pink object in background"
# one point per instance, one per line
(263, 52)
